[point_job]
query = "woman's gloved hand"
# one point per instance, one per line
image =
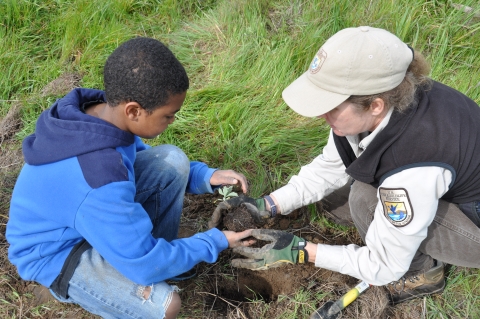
(255, 206)
(284, 248)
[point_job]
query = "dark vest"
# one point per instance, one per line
(441, 129)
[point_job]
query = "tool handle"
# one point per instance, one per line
(348, 298)
(351, 295)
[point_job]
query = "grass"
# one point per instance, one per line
(461, 298)
(300, 304)
(239, 55)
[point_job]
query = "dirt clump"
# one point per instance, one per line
(10, 123)
(63, 84)
(239, 219)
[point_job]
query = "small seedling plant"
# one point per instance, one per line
(227, 193)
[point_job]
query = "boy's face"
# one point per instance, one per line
(151, 125)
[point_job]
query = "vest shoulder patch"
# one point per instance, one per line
(396, 206)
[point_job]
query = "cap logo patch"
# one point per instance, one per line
(317, 61)
(396, 206)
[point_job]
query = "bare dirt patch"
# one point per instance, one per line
(221, 291)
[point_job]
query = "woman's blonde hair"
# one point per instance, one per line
(403, 95)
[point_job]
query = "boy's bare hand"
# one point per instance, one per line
(237, 239)
(229, 177)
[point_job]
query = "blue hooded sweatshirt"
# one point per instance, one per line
(78, 184)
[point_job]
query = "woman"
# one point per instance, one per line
(402, 152)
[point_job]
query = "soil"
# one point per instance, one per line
(221, 290)
(239, 219)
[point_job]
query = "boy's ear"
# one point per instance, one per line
(133, 110)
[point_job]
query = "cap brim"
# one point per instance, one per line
(309, 100)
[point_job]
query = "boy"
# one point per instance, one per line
(95, 212)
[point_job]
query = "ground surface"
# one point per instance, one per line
(222, 291)
(219, 290)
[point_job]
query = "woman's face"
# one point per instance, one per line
(347, 119)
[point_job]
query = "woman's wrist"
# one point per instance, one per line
(311, 249)
(270, 203)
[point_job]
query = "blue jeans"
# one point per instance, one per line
(161, 175)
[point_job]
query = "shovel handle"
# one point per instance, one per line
(352, 294)
(331, 310)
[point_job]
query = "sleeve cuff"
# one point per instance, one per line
(199, 178)
(287, 199)
(219, 237)
(208, 175)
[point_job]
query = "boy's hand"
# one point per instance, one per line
(229, 177)
(284, 249)
(236, 239)
(256, 208)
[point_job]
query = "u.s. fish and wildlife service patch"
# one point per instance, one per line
(317, 61)
(396, 206)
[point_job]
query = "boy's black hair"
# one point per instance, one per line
(145, 71)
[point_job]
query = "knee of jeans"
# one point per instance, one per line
(174, 157)
(146, 291)
(174, 307)
(362, 201)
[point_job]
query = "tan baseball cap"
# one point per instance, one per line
(354, 61)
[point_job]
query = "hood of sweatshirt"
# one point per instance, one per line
(65, 131)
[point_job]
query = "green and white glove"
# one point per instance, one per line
(284, 248)
(255, 206)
